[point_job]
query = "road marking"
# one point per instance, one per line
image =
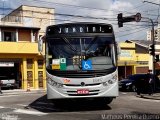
(31, 112)
(124, 93)
(1, 107)
(22, 105)
(8, 95)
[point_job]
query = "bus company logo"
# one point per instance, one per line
(65, 80)
(83, 84)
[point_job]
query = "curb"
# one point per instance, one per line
(153, 97)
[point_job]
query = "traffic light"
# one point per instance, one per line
(152, 49)
(157, 58)
(120, 20)
(131, 18)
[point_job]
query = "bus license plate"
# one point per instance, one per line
(83, 91)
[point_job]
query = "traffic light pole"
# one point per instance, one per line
(153, 41)
(153, 56)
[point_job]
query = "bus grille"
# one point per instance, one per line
(82, 75)
(76, 85)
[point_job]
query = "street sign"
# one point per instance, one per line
(56, 64)
(62, 63)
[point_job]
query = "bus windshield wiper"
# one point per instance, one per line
(69, 44)
(91, 43)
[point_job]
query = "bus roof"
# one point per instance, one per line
(81, 23)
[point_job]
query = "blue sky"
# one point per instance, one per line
(107, 9)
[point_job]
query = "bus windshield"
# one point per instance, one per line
(69, 53)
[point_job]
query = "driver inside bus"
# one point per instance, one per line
(107, 50)
(103, 51)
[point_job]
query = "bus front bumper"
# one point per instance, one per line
(93, 91)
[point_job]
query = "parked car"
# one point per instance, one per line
(7, 82)
(127, 84)
(130, 83)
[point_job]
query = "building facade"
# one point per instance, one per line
(156, 34)
(30, 16)
(19, 56)
(135, 57)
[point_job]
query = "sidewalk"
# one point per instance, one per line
(21, 91)
(154, 96)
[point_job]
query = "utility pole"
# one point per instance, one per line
(152, 46)
(153, 43)
(153, 56)
(152, 50)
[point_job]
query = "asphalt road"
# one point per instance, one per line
(35, 106)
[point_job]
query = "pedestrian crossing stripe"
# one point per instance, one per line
(1, 107)
(31, 112)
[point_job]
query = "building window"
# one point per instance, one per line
(29, 63)
(40, 78)
(40, 64)
(9, 36)
(30, 78)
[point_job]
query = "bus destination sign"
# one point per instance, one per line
(72, 29)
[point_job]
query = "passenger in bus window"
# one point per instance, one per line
(99, 51)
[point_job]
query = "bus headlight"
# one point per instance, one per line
(110, 81)
(53, 83)
(113, 80)
(105, 83)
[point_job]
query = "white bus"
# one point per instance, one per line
(81, 61)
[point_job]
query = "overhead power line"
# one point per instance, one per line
(132, 32)
(84, 7)
(131, 29)
(69, 15)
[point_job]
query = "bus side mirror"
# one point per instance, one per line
(40, 44)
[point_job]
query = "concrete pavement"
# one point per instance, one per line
(155, 96)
